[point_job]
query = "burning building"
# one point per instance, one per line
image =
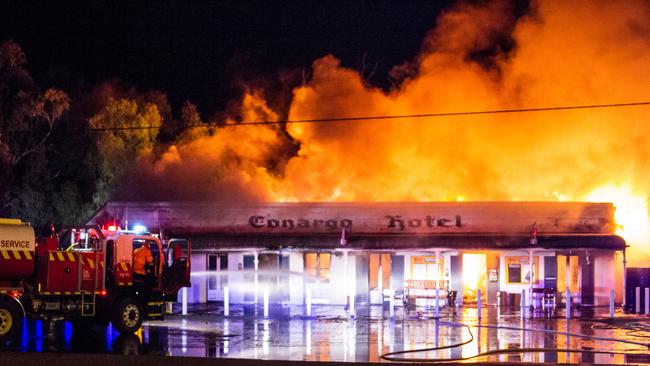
(480, 57)
(361, 252)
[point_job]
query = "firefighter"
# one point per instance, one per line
(143, 264)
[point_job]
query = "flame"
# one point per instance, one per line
(474, 271)
(480, 56)
(632, 216)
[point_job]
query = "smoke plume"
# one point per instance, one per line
(479, 57)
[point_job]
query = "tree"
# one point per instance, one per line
(190, 119)
(28, 119)
(45, 112)
(126, 129)
(17, 93)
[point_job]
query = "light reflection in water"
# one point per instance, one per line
(38, 330)
(308, 337)
(25, 337)
(109, 337)
(353, 341)
(266, 338)
(184, 338)
(345, 345)
(332, 338)
(67, 328)
(226, 331)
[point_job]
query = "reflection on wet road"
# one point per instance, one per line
(332, 336)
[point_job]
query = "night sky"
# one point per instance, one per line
(202, 51)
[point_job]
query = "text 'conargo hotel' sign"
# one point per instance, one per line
(425, 218)
(369, 218)
(391, 223)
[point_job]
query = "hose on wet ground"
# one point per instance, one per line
(497, 352)
(632, 329)
(391, 356)
(578, 335)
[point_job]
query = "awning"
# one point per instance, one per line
(409, 242)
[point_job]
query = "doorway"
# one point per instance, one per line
(249, 278)
(474, 276)
(379, 270)
(577, 270)
(216, 280)
(568, 270)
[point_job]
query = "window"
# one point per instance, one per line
(155, 252)
(518, 270)
(425, 267)
(177, 251)
(212, 279)
(249, 276)
(216, 281)
(318, 265)
(379, 271)
(514, 272)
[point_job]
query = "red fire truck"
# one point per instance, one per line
(86, 275)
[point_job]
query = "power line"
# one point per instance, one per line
(450, 114)
(377, 118)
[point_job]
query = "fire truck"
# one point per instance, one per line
(85, 275)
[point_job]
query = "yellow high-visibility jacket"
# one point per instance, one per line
(141, 257)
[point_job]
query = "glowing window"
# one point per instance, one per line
(311, 264)
(518, 270)
(425, 268)
(318, 265)
(324, 265)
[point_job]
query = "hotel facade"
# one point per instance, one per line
(364, 252)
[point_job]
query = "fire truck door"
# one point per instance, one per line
(177, 265)
(69, 271)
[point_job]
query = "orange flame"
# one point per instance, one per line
(632, 217)
(565, 53)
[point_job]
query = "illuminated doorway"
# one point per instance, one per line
(568, 272)
(474, 276)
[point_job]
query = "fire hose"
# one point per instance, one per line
(391, 356)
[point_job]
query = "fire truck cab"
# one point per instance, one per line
(86, 274)
(131, 299)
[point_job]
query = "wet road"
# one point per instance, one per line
(332, 336)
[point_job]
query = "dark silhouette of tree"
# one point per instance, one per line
(118, 146)
(28, 119)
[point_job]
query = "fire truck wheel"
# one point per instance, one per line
(11, 318)
(128, 315)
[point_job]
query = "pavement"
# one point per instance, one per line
(332, 336)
